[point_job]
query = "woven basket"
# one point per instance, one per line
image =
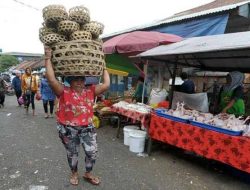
(54, 13)
(98, 40)
(79, 14)
(95, 28)
(53, 38)
(43, 31)
(78, 58)
(81, 35)
(68, 27)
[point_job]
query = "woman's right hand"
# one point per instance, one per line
(47, 52)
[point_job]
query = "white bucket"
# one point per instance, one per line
(126, 131)
(137, 141)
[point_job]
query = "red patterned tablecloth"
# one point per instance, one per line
(232, 150)
(144, 118)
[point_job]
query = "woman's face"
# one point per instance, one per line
(77, 84)
(28, 71)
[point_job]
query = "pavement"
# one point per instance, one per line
(33, 158)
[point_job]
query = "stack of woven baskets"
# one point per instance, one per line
(74, 40)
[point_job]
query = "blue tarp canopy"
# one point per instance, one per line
(199, 27)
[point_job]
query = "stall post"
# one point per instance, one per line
(145, 70)
(172, 87)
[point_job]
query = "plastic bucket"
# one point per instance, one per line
(126, 131)
(137, 141)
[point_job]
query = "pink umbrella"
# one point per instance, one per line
(135, 42)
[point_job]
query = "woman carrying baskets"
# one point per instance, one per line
(74, 118)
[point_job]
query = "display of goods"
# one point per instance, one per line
(81, 35)
(52, 38)
(68, 27)
(79, 14)
(78, 58)
(43, 31)
(95, 28)
(54, 13)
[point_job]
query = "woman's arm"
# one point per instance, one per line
(106, 83)
(229, 105)
(23, 84)
(56, 86)
(237, 94)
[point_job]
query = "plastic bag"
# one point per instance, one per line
(20, 100)
(157, 95)
(38, 97)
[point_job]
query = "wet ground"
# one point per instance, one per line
(33, 158)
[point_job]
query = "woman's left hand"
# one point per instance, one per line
(224, 110)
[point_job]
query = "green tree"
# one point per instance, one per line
(7, 61)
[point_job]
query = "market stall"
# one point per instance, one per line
(136, 113)
(226, 52)
(117, 50)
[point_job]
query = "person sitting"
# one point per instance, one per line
(188, 85)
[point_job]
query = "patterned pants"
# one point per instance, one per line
(72, 137)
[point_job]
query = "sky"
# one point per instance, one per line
(20, 20)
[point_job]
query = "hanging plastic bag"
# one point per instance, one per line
(20, 100)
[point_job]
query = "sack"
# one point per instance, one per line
(197, 101)
(157, 95)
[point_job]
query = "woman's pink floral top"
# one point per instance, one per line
(76, 109)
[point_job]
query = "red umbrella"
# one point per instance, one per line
(138, 41)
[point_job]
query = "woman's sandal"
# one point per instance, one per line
(92, 179)
(74, 179)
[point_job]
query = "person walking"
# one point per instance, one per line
(16, 83)
(30, 87)
(2, 91)
(75, 118)
(48, 97)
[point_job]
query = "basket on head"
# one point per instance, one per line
(44, 31)
(95, 28)
(54, 13)
(98, 40)
(79, 14)
(53, 38)
(68, 26)
(81, 35)
(78, 58)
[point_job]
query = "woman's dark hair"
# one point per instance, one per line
(71, 78)
(141, 79)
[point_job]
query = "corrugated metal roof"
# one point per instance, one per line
(231, 53)
(232, 41)
(23, 54)
(30, 63)
(202, 13)
(180, 18)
